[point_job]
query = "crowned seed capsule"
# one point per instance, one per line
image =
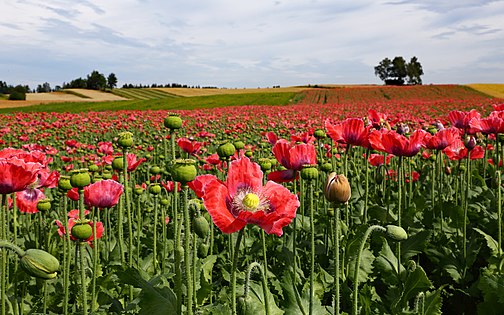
(80, 178)
(226, 150)
(125, 139)
(184, 171)
(173, 122)
(82, 231)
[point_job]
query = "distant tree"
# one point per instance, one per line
(394, 72)
(18, 93)
(96, 81)
(111, 81)
(414, 71)
(3, 87)
(44, 88)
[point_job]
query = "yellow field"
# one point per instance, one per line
(187, 92)
(495, 90)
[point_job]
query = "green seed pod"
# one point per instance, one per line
(201, 226)
(319, 134)
(64, 183)
(125, 139)
(138, 191)
(155, 189)
(226, 150)
(180, 251)
(396, 233)
(44, 205)
(82, 231)
(93, 168)
(326, 167)
(80, 178)
(309, 172)
(203, 250)
(184, 171)
(106, 175)
(173, 122)
(239, 145)
(249, 153)
(164, 202)
(40, 264)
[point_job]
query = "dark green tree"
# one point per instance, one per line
(44, 88)
(111, 81)
(414, 71)
(394, 72)
(96, 81)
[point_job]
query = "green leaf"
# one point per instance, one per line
(386, 264)
(365, 267)
(491, 243)
(153, 300)
(204, 278)
(415, 244)
(433, 302)
(492, 286)
(416, 282)
(290, 305)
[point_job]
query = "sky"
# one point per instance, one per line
(245, 43)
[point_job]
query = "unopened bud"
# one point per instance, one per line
(39, 264)
(337, 188)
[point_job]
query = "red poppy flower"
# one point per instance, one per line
(188, 146)
(103, 194)
(461, 119)
(133, 161)
(350, 131)
(292, 157)
(71, 223)
(489, 125)
(272, 138)
(457, 151)
(243, 199)
(376, 119)
(396, 144)
(105, 148)
(27, 200)
(378, 159)
(170, 186)
(441, 139)
(16, 175)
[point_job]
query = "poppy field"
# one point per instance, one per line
(364, 200)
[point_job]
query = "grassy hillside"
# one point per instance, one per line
(142, 94)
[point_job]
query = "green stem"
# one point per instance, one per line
(233, 271)
(399, 207)
(366, 200)
(357, 265)
(187, 251)
(265, 274)
(312, 250)
(83, 277)
(499, 212)
(336, 259)
(154, 238)
(466, 207)
(178, 258)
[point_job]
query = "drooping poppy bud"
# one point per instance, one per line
(39, 264)
(337, 188)
(396, 233)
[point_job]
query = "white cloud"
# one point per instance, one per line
(248, 43)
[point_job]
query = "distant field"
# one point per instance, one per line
(188, 92)
(495, 90)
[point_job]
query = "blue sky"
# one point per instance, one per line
(238, 43)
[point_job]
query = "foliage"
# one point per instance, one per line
(394, 72)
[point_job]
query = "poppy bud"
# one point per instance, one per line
(44, 205)
(138, 191)
(82, 230)
(337, 188)
(173, 122)
(155, 170)
(118, 163)
(125, 139)
(396, 233)
(470, 142)
(203, 250)
(184, 171)
(309, 172)
(80, 178)
(164, 202)
(39, 264)
(201, 226)
(265, 164)
(226, 150)
(248, 153)
(448, 170)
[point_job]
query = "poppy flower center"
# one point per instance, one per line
(251, 201)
